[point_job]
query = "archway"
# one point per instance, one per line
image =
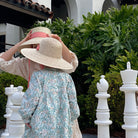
(111, 3)
(60, 9)
(65, 8)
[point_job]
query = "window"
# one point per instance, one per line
(2, 43)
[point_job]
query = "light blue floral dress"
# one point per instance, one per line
(49, 105)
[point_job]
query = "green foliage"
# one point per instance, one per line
(121, 61)
(6, 80)
(105, 37)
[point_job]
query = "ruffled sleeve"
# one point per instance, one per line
(17, 66)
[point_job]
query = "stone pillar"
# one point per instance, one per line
(129, 87)
(9, 91)
(16, 126)
(102, 114)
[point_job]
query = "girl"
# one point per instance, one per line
(24, 67)
(49, 105)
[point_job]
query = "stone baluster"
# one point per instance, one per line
(102, 114)
(9, 91)
(129, 87)
(16, 126)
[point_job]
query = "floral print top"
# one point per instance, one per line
(49, 105)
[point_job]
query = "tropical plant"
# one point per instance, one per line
(121, 61)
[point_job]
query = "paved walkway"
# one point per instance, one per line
(89, 136)
(84, 135)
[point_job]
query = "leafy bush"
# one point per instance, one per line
(110, 34)
(6, 80)
(121, 61)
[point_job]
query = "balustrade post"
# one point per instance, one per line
(129, 87)
(9, 91)
(102, 114)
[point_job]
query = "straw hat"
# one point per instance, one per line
(48, 54)
(36, 36)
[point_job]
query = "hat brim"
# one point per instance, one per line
(37, 57)
(30, 42)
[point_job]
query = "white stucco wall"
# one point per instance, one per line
(77, 8)
(97, 5)
(2, 29)
(12, 34)
(85, 6)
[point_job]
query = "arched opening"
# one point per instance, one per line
(60, 9)
(64, 9)
(110, 3)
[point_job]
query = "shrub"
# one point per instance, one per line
(121, 61)
(6, 80)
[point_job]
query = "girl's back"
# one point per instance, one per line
(53, 96)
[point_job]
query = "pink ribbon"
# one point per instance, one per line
(39, 34)
(34, 35)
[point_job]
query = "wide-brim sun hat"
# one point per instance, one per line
(38, 33)
(48, 54)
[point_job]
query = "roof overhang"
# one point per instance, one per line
(21, 15)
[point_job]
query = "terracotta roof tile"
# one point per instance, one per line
(35, 6)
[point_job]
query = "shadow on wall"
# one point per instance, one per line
(111, 3)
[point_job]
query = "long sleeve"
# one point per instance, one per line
(30, 99)
(74, 108)
(19, 66)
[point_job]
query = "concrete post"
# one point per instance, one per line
(102, 114)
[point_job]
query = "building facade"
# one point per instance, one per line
(74, 9)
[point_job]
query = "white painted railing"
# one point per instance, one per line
(15, 125)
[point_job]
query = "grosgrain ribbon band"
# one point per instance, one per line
(34, 35)
(38, 34)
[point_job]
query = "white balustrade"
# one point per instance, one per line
(102, 114)
(129, 87)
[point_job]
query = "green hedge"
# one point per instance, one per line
(6, 80)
